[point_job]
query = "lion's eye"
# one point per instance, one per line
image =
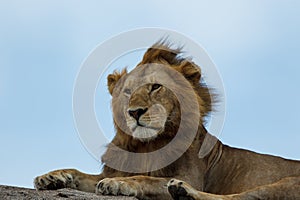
(155, 87)
(127, 91)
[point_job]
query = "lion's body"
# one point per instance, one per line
(239, 170)
(152, 115)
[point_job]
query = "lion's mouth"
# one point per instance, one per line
(139, 124)
(145, 125)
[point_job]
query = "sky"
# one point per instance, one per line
(254, 44)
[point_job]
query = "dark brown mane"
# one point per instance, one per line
(163, 50)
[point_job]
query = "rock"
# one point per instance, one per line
(9, 192)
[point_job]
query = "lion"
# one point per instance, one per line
(148, 117)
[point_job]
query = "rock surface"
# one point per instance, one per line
(10, 192)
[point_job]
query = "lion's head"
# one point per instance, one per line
(144, 104)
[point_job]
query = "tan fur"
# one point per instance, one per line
(225, 173)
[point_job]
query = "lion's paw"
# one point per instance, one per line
(54, 180)
(180, 190)
(113, 186)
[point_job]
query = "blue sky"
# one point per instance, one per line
(255, 45)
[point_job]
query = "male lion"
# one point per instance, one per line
(148, 118)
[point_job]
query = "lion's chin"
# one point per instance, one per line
(145, 134)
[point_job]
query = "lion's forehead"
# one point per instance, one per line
(142, 76)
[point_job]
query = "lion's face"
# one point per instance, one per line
(144, 102)
(150, 106)
(143, 105)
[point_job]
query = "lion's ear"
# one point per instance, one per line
(190, 71)
(112, 79)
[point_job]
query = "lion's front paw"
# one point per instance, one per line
(54, 180)
(115, 186)
(180, 190)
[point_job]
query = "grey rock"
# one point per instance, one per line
(10, 192)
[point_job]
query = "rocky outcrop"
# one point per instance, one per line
(9, 192)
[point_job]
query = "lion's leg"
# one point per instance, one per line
(287, 188)
(143, 187)
(67, 178)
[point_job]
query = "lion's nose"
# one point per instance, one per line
(136, 114)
